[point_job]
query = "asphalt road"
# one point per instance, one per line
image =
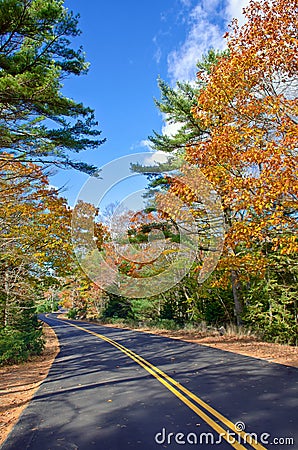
(113, 389)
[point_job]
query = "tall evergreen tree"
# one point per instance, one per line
(37, 122)
(176, 103)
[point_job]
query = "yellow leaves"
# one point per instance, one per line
(250, 153)
(286, 245)
(34, 221)
(245, 264)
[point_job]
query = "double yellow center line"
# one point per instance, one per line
(187, 397)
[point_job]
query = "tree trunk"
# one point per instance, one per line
(6, 301)
(238, 308)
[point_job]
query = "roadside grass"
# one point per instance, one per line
(198, 330)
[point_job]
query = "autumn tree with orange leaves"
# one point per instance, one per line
(239, 127)
(34, 243)
(246, 146)
(250, 108)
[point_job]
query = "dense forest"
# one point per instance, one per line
(236, 133)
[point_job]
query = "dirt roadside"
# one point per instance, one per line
(18, 383)
(244, 345)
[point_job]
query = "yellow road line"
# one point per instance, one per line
(172, 384)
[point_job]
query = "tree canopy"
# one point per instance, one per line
(39, 128)
(238, 125)
(37, 122)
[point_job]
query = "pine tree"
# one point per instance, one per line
(37, 122)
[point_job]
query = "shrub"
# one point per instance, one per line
(118, 307)
(17, 346)
(72, 313)
(47, 306)
(271, 312)
(166, 324)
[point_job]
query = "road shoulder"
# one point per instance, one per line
(20, 382)
(243, 345)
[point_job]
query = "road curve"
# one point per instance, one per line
(115, 389)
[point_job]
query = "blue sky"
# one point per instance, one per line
(129, 44)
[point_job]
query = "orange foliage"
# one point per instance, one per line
(250, 108)
(34, 220)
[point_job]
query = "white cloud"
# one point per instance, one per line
(202, 36)
(158, 53)
(186, 3)
(146, 143)
(155, 158)
(170, 129)
(234, 9)
(208, 22)
(143, 143)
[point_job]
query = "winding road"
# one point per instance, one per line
(114, 389)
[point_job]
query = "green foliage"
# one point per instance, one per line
(272, 311)
(118, 321)
(145, 309)
(269, 300)
(38, 124)
(118, 307)
(36, 120)
(47, 306)
(72, 313)
(176, 103)
(20, 314)
(20, 331)
(213, 305)
(213, 312)
(17, 346)
(210, 60)
(166, 324)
